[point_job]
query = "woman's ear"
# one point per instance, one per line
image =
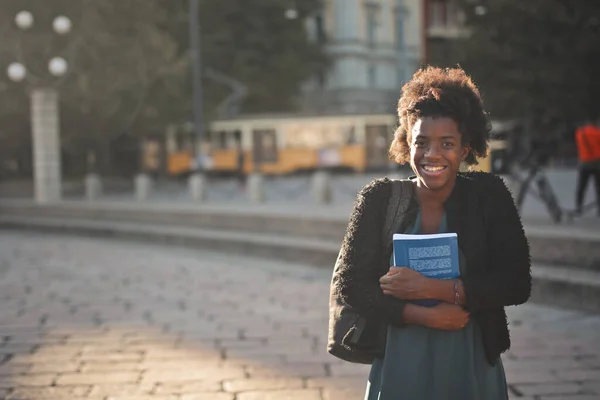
(465, 152)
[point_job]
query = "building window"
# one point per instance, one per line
(320, 28)
(372, 75)
(372, 14)
(401, 15)
(437, 13)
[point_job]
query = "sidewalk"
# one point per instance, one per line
(96, 319)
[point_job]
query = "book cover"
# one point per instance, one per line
(434, 256)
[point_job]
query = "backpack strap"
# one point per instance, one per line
(399, 202)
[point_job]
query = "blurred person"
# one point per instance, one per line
(451, 350)
(587, 138)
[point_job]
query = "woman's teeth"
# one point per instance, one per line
(432, 168)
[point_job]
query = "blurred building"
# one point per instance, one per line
(444, 23)
(375, 45)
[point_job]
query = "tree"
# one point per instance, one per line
(116, 55)
(130, 69)
(253, 42)
(535, 57)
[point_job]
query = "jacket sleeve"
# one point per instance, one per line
(356, 274)
(507, 280)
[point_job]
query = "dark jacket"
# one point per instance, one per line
(482, 212)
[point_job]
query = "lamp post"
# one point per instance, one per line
(197, 181)
(198, 101)
(44, 102)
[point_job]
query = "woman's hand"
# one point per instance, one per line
(447, 317)
(404, 283)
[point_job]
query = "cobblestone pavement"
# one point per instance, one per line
(83, 318)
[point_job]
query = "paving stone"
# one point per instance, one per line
(349, 369)
(131, 389)
(241, 385)
(208, 374)
(14, 369)
(298, 370)
(343, 394)
(579, 374)
(530, 377)
(570, 397)
(50, 393)
(142, 397)
(549, 389)
(208, 396)
(299, 394)
(97, 378)
(592, 386)
(57, 367)
(38, 380)
(188, 387)
(101, 366)
(543, 364)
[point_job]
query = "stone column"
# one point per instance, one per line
(322, 187)
(93, 186)
(46, 145)
(197, 187)
(143, 186)
(256, 187)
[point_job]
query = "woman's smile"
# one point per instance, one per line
(433, 170)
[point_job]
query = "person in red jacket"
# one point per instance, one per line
(588, 148)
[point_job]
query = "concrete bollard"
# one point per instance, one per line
(198, 187)
(93, 186)
(322, 187)
(143, 186)
(256, 187)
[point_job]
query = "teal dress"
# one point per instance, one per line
(422, 363)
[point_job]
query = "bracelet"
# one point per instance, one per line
(456, 295)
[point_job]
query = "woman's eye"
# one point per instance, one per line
(419, 143)
(448, 144)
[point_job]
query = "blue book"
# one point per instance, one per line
(434, 256)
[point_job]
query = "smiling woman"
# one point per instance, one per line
(452, 349)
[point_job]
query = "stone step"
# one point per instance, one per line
(567, 286)
(316, 252)
(562, 286)
(549, 244)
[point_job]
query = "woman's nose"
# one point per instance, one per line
(432, 151)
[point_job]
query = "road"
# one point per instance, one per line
(101, 319)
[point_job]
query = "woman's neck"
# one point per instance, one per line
(433, 198)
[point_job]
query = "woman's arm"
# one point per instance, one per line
(356, 274)
(508, 278)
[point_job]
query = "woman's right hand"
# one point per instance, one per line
(449, 317)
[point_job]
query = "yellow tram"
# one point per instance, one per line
(284, 144)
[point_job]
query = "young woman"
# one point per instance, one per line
(451, 350)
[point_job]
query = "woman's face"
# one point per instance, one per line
(436, 152)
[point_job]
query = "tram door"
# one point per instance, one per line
(377, 141)
(264, 147)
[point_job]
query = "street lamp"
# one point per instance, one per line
(480, 10)
(291, 13)
(44, 115)
(16, 72)
(24, 20)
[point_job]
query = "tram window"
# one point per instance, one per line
(222, 140)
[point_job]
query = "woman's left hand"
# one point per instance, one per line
(404, 283)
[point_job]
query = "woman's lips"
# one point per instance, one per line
(433, 170)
